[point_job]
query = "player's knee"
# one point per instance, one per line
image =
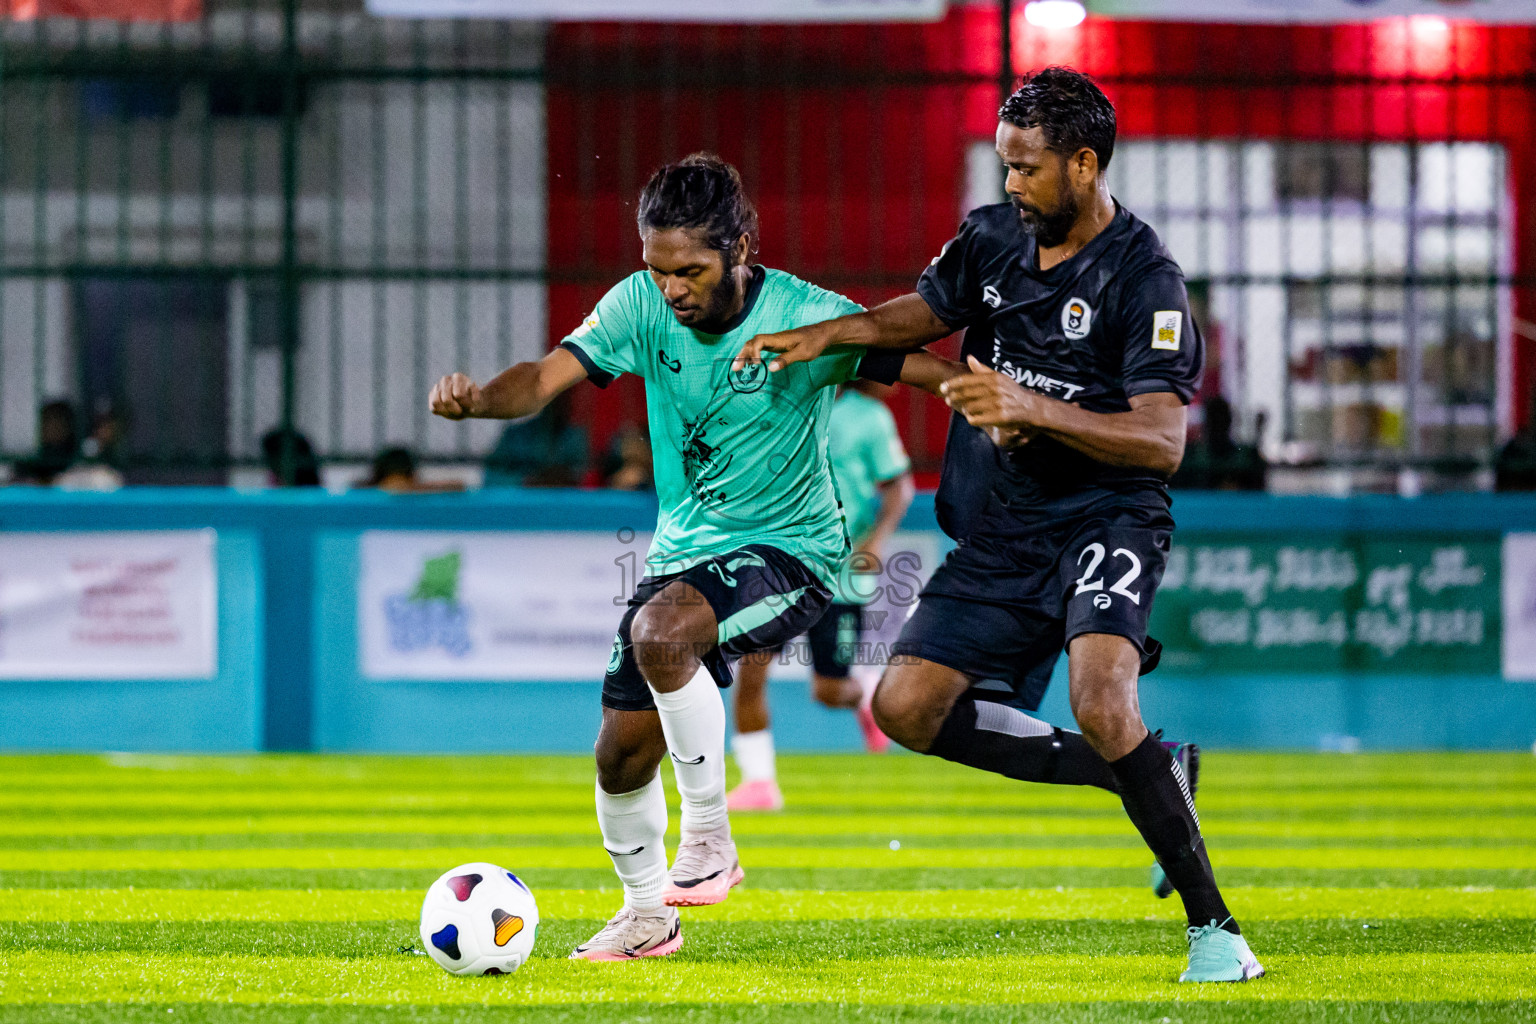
(1102, 715)
(660, 635)
(904, 714)
(828, 691)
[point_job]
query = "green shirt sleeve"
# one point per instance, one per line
(841, 366)
(608, 341)
(834, 368)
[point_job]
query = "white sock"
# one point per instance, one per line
(693, 720)
(868, 677)
(754, 755)
(634, 825)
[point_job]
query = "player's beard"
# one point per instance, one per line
(714, 311)
(1050, 227)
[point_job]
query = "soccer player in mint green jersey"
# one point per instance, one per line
(749, 535)
(874, 480)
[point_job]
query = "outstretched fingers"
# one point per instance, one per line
(782, 349)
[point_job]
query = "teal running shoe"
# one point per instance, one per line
(1217, 955)
(1188, 757)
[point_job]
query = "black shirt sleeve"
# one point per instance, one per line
(950, 285)
(1163, 347)
(883, 366)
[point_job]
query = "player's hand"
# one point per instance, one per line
(1010, 437)
(800, 345)
(455, 397)
(987, 398)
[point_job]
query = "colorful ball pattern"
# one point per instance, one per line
(479, 919)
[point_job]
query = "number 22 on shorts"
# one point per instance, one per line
(1095, 554)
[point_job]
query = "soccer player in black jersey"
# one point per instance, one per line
(1081, 356)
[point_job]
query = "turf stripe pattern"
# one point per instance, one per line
(282, 888)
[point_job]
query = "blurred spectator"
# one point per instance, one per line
(628, 464)
(394, 470)
(98, 468)
(1515, 468)
(290, 450)
(58, 445)
(1215, 462)
(545, 450)
(101, 445)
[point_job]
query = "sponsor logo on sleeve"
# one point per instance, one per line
(586, 327)
(1076, 319)
(1167, 325)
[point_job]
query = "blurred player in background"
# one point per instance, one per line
(749, 534)
(1083, 357)
(874, 483)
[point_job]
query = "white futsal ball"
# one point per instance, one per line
(479, 919)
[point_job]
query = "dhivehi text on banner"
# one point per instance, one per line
(122, 605)
(524, 605)
(1344, 604)
(756, 12)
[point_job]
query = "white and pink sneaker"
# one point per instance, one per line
(705, 870)
(631, 935)
(755, 795)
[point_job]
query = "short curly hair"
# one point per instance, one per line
(699, 191)
(1069, 108)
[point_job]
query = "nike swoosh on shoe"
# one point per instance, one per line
(697, 881)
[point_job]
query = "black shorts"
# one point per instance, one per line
(762, 598)
(834, 640)
(1093, 574)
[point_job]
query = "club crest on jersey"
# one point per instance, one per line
(1076, 319)
(991, 296)
(749, 378)
(1167, 325)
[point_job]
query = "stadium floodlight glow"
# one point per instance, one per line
(1055, 13)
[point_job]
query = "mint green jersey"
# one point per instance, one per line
(866, 451)
(740, 458)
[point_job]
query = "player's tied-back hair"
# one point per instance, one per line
(1069, 108)
(703, 192)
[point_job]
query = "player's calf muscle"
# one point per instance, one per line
(629, 749)
(1104, 671)
(913, 699)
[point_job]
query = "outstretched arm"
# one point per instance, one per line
(1150, 436)
(928, 372)
(522, 390)
(904, 322)
(895, 497)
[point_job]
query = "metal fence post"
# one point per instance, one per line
(288, 283)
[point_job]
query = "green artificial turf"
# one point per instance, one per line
(284, 888)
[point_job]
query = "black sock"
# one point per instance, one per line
(1002, 739)
(1159, 806)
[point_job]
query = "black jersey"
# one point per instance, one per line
(1109, 323)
